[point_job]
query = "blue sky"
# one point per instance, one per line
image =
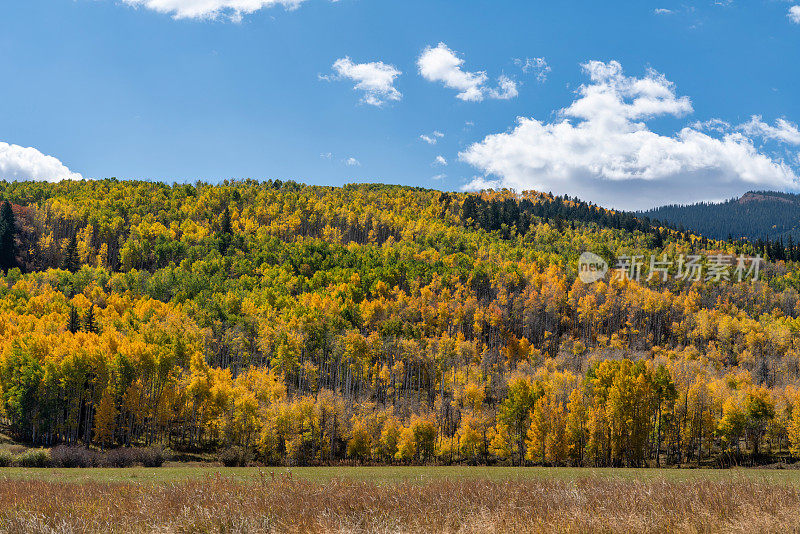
(167, 90)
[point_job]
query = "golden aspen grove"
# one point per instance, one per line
(373, 324)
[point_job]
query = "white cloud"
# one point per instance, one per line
(211, 9)
(439, 177)
(326, 155)
(20, 163)
(433, 138)
(602, 150)
(794, 14)
(506, 89)
(440, 64)
(536, 65)
(783, 131)
(375, 79)
(352, 162)
(712, 125)
(440, 161)
(663, 11)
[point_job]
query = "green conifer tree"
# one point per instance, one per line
(74, 323)
(8, 237)
(89, 323)
(71, 259)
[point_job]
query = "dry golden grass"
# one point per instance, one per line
(285, 504)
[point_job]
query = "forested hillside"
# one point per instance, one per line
(382, 324)
(758, 215)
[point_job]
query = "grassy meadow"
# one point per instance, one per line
(179, 473)
(398, 499)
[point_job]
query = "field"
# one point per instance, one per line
(398, 499)
(177, 473)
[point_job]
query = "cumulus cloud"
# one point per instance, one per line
(663, 11)
(375, 80)
(601, 149)
(211, 9)
(440, 161)
(794, 14)
(352, 162)
(433, 138)
(21, 163)
(440, 64)
(535, 65)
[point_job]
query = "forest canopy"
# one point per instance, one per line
(379, 323)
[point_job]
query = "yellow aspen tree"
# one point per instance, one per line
(105, 419)
(538, 431)
(794, 431)
(406, 446)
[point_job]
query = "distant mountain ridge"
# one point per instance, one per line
(767, 215)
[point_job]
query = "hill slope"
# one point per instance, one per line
(380, 324)
(767, 215)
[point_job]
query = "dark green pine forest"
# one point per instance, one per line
(757, 216)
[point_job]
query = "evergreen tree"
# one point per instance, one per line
(74, 323)
(89, 323)
(225, 225)
(225, 231)
(71, 259)
(658, 239)
(8, 235)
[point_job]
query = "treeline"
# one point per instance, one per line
(766, 215)
(778, 250)
(518, 214)
(375, 323)
(511, 215)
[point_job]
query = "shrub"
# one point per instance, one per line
(128, 457)
(6, 458)
(76, 456)
(235, 457)
(122, 457)
(33, 458)
(151, 457)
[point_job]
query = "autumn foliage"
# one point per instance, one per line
(378, 324)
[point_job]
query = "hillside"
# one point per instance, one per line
(766, 215)
(381, 324)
